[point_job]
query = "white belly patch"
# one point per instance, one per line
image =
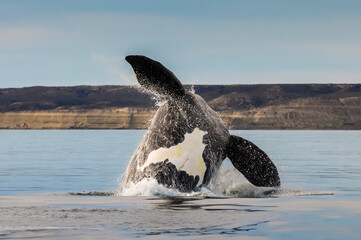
(186, 156)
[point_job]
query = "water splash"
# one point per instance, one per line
(157, 99)
(190, 88)
(115, 67)
(150, 187)
(228, 183)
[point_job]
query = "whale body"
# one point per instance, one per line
(187, 141)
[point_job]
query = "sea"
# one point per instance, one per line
(64, 184)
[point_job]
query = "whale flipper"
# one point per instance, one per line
(252, 162)
(154, 77)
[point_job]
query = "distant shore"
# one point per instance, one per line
(275, 106)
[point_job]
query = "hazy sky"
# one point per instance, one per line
(66, 43)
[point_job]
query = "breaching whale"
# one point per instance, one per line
(187, 141)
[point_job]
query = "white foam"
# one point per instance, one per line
(228, 183)
(150, 187)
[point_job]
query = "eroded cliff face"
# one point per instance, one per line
(311, 113)
(298, 114)
(124, 118)
(276, 106)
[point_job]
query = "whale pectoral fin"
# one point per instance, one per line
(154, 77)
(252, 162)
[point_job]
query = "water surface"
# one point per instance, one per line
(320, 196)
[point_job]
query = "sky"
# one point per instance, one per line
(84, 42)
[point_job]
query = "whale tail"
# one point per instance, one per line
(156, 78)
(252, 162)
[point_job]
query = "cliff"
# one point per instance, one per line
(274, 106)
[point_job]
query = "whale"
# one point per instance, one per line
(186, 142)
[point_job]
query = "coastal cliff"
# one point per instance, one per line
(123, 118)
(275, 106)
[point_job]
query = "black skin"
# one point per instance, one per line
(154, 77)
(182, 113)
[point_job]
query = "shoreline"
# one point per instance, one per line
(241, 107)
(133, 118)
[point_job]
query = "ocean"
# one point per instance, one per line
(64, 184)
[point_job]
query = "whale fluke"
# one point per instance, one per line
(252, 162)
(154, 77)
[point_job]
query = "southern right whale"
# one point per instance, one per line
(187, 141)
